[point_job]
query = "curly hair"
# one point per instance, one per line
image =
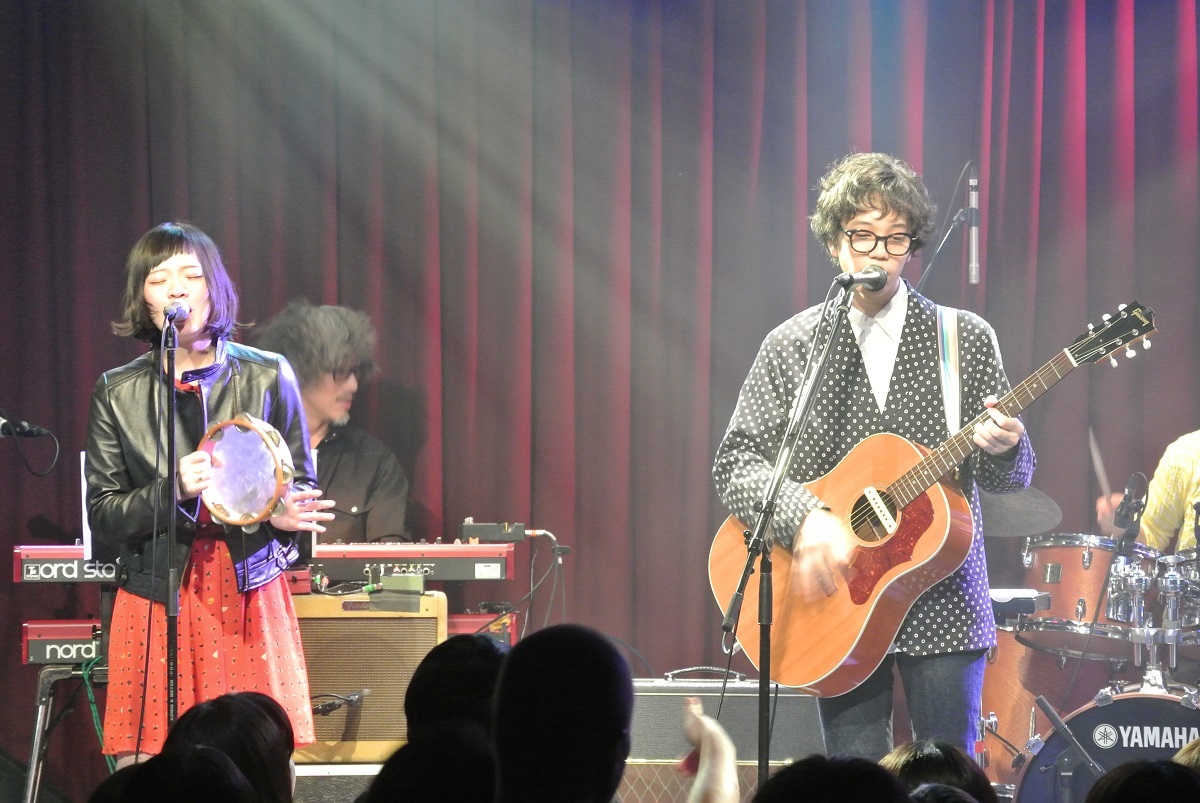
(321, 340)
(878, 181)
(155, 247)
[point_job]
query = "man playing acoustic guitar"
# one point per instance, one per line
(884, 375)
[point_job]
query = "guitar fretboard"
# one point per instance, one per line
(942, 460)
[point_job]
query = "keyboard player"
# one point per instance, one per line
(331, 349)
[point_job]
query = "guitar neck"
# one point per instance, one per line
(939, 462)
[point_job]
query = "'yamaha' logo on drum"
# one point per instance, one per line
(1106, 736)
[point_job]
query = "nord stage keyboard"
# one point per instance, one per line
(55, 563)
(348, 563)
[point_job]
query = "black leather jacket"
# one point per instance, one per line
(123, 485)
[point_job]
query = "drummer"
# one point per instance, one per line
(1168, 523)
(1170, 515)
(237, 628)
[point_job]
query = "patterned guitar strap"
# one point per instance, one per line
(948, 352)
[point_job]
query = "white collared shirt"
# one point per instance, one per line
(878, 339)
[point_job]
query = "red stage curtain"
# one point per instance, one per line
(573, 224)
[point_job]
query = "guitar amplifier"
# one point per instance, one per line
(658, 719)
(360, 659)
(658, 742)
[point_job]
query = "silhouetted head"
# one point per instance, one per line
(564, 702)
(1146, 781)
(923, 762)
(453, 765)
(191, 774)
(453, 683)
(253, 730)
(839, 779)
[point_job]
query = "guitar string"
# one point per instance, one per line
(937, 463)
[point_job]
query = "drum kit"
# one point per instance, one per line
(1103, 626)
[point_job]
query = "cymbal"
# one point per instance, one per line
(1018, 514)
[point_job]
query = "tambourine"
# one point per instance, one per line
(252, 471)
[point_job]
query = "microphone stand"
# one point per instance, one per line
(1196, 526)
(1069, 758)
(171, 337)
(959, 219)
(756, 539)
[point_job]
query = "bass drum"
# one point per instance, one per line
(1014, 677)
(1133, 727)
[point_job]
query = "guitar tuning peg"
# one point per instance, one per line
(1146, 344)
(1091, 327)
(1130, 353)
(1106, 317)
(1121, 307)
(1113, 362)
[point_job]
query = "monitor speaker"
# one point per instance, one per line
(360, 659)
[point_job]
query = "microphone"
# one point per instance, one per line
(177, 312)
(871, 277)
(973, 226)
(21, 428)
(1129, 512)
(1128, 516)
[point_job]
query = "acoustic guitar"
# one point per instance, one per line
(912, 528)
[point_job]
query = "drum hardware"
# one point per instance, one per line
(1137, 725)
(1010, 684)
(1072, 757)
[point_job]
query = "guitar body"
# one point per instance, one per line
(830, 646)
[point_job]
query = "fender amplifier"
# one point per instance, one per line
(360, 659)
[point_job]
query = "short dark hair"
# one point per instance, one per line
(158, 245)
(1146, 780)
(837, 779)
(321, 340)
(250, 727)
(563, 710)
(863, 181)
(923, 761)
(453, 683)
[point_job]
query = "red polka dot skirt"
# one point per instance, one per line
(227, 642)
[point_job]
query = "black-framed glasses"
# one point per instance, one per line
(864, 241)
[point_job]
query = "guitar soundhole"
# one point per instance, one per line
(866, 522)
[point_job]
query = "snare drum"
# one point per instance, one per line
(252, 471)
(1074, 570)
(1133, 727)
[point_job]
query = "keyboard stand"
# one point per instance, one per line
(49, 677)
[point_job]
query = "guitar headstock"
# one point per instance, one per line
(1133, 322)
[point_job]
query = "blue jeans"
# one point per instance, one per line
(943, 694)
